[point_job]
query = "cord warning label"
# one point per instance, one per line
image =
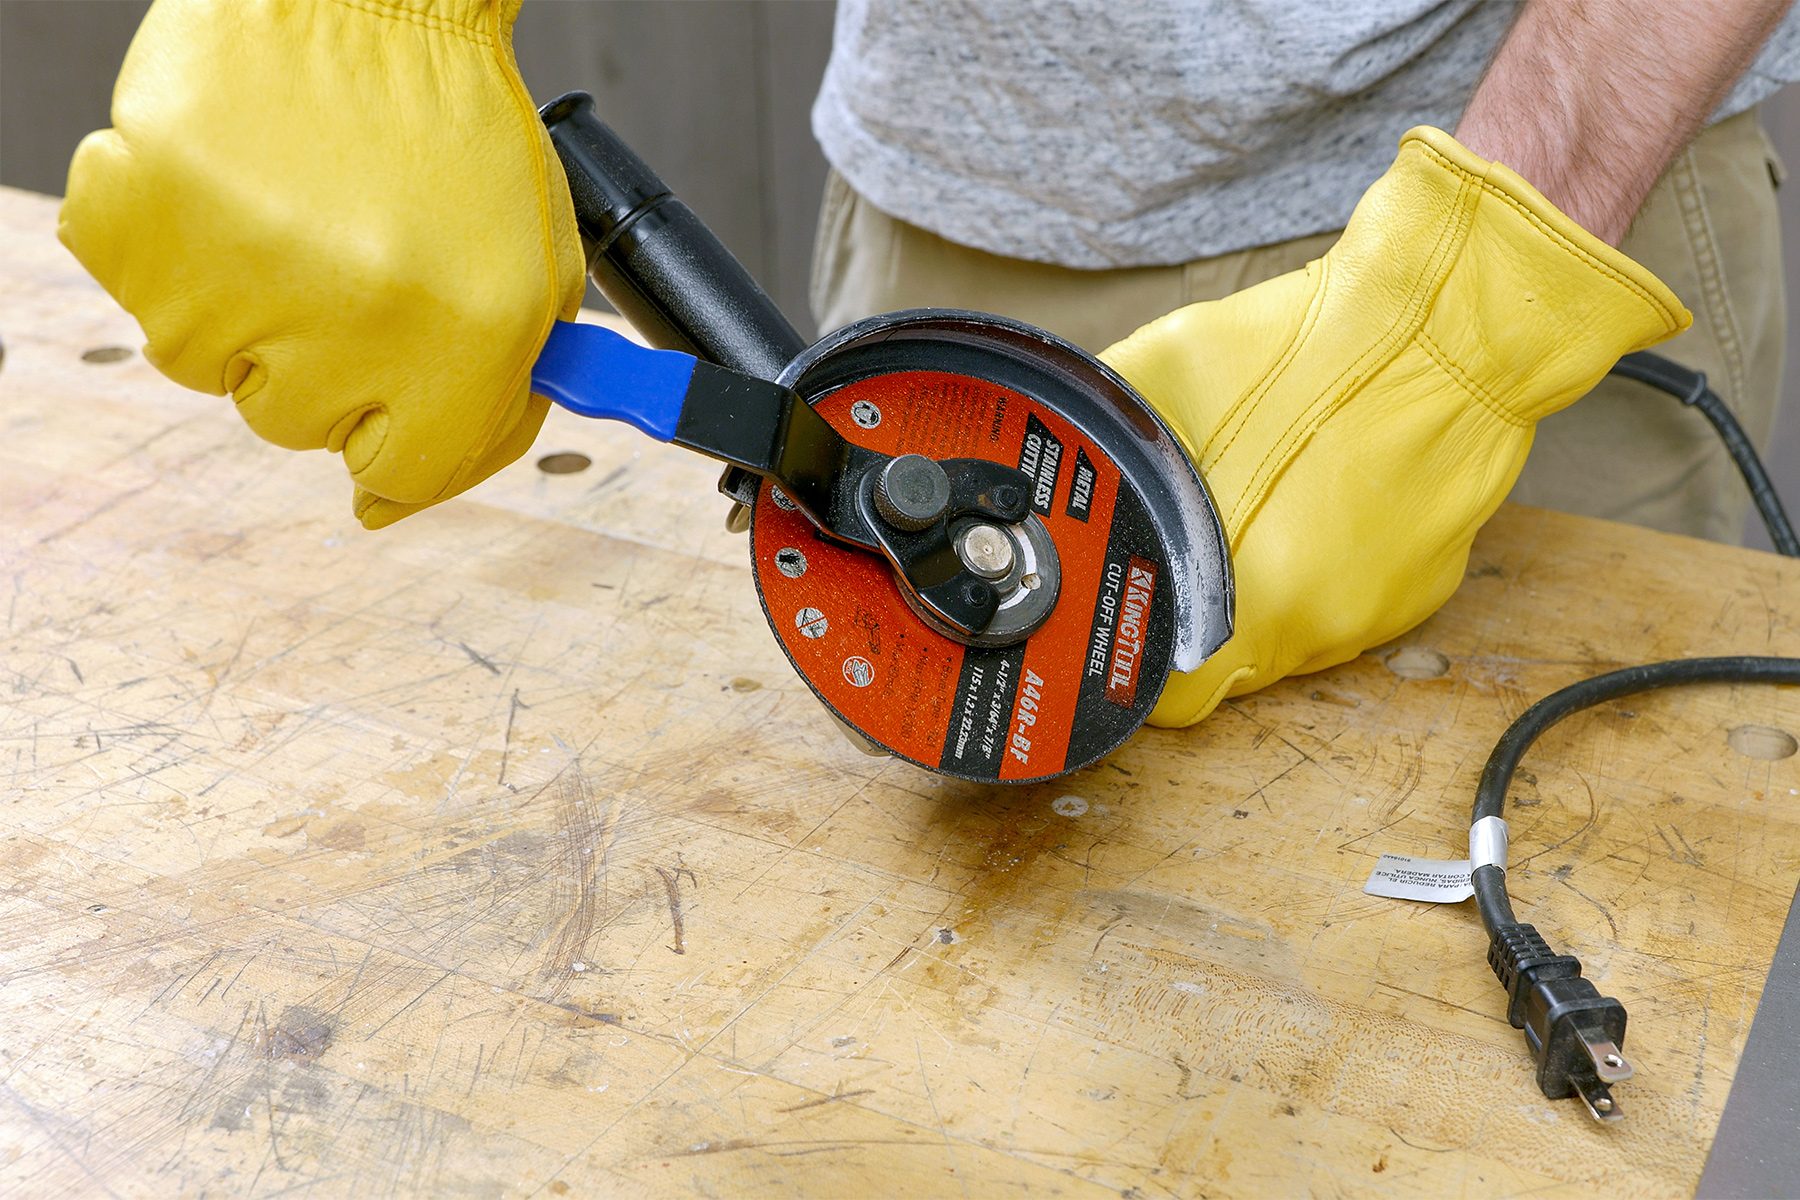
(1403, 877)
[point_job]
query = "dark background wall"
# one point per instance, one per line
(738, 149)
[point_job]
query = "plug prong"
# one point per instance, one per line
(1610, 1065)
(1599, 1100)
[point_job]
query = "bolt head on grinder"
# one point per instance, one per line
(1117, 575)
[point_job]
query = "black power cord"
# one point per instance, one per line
(1690, 388)
(1574, 1033)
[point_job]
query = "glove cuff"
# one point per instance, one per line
(1508, 185)
(483, 19)
(1527, 310)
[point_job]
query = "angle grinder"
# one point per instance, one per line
(979, 547)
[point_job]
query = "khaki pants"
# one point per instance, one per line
(1627, 452)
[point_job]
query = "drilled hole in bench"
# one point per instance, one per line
(565, 462)
(1762, 741)
(1418, 662)
(106, 354)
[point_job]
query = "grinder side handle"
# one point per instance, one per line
(655, 261)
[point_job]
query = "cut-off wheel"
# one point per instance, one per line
(1088, 674)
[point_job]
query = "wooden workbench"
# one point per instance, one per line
(501, 853)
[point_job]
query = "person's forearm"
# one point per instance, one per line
(1590, 100)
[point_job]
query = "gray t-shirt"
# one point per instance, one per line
(1153, 131)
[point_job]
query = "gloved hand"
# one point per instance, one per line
(346, 214)
(1360, 419)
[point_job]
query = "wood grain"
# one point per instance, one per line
(501, 853)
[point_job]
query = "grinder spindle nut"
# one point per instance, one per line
(986, 550)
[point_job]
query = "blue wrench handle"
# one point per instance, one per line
(751, 423)
(590, 370)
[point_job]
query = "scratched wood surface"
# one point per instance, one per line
(501, 853)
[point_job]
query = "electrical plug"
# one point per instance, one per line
(1574, 1032)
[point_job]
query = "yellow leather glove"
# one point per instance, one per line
(1360, 419)
(346, 214)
